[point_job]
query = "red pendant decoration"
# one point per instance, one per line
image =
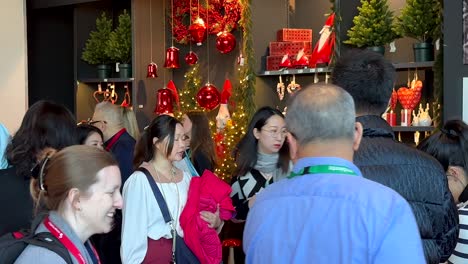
(172, 58)
(208, 97)
(197, 31)
(191, 58)
(225, 42)
(165, 101)
(152, 70)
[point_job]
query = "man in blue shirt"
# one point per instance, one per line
(326, 212)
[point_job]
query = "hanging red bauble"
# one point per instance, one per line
(165, 101)
(197, 31)
(152, 71)
(225, 42)
(208, 97)
(191, 58)
(172, 58)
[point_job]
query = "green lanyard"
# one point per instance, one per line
(323, 169)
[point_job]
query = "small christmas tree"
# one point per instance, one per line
(373, 27)
(94, 50)
(191, 86)
(119, 45)
(419, 19)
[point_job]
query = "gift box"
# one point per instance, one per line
(294, 34)
(292, 47)
(273, 62)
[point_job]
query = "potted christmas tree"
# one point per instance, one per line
(94, 50)
(419, 19)
(373, 26)
(119, 45)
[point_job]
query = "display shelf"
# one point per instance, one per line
(295, 71)
(412, 128)
(413, 65)
(97, 80)
(398, 66)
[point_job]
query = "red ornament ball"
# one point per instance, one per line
(225, 42)
(191, 58)
(197, 31)
(208, 97)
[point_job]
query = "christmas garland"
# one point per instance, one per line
(222, 16)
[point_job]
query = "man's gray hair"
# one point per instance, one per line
(321, 112)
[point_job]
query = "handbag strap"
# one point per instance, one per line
(163, 207)
(158, 195)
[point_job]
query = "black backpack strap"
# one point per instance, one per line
(47, 240)
(157, 194)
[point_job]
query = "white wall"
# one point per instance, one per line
(13, 64)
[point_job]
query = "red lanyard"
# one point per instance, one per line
(115, 138)
(56, 232)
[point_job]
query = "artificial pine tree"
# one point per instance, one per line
(119, 45)
(420, 19)
(242, 97)
(373, 26)
(191, 86)
(94, 50)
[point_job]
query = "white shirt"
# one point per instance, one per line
(142, 217)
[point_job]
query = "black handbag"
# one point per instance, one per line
(180, 252)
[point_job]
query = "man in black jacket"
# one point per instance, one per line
(419, 178)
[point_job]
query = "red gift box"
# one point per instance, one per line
(294, 34)
(273, 62)
(281, 48)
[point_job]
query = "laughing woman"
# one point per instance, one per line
(81, 201)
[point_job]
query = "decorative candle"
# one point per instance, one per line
(406, 117)
(391, 118)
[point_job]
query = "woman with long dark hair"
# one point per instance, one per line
(262, 157)
(45, 125)
(450, 147)
(146, 236)
(201, 144)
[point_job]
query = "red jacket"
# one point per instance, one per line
(205, 193)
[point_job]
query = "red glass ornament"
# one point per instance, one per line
(172, 58)
(208, 97)
(165, 101)
(225, 42)
(191, 58)
(197, 31)
(152, 70)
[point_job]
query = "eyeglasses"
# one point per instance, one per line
(90, 121)
(276, 132)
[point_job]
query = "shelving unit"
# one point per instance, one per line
(413, 65)
(114, 80)
(412, 128)
(295, 71)
(398, 66)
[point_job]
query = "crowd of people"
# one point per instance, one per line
(327, 182)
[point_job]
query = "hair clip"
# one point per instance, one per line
(41, 174)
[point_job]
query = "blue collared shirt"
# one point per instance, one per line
(331, 218)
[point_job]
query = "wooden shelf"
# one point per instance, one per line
(414, 65)
(295, 71)
(97, 80)
(412, 128)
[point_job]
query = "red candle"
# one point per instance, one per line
(391, 118)
(406, 117)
